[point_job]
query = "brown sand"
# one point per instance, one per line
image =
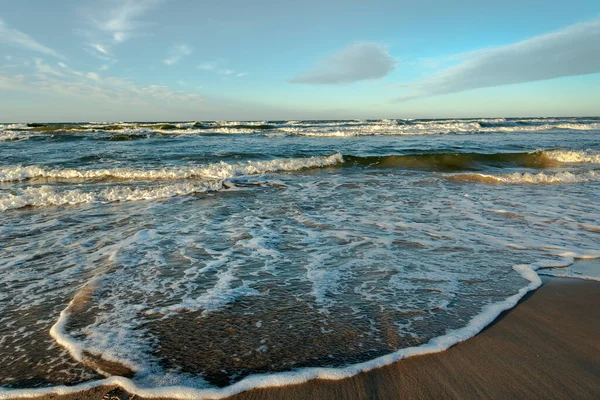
(548, 347)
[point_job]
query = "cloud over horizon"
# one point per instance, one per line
(571, 51)
(357, 62)
(91, 86)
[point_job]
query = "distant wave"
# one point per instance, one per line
(343, 128)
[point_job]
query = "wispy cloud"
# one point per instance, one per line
(20, 39)
(101, 49)
(60, 79)
(43, 68)
(122, 21)
(214, 66)
(569, 52)
(207, 66)
(177, 53)
(358, 62)
(114, 24)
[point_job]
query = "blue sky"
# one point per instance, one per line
(114, 60)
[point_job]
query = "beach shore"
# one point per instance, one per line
(547, 347)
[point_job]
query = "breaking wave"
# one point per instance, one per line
(212, 179)
(45, 196)
(220, 170)
(223, 170)
(474, 161)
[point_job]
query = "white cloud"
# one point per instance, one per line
(17, 38)
(177, 53)
(123, 20)
(109, 26)
(44, 68)
(568, 52)
(214, 66)
(207, 66)
(358, 62)
(101, 49)
(91, 86)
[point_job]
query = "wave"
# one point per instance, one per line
(213, 177)
(474, 161)
(220, 170)
(45, 196)
(573, 156)
(311, 128)
(527, 178)
(223, 170)
(434, 127)
(453, 161)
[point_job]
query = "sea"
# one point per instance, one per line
(205, 258)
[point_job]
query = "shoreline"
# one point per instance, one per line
(543, 347)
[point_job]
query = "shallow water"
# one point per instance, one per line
(198, 254)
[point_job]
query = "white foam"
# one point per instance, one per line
(335, 128)
(438, 344)
(217, 297)
(433, 127)
(573, 156)
(531, 179)
(570, 274)
(10, 136)
(220, 170)
(44, 196)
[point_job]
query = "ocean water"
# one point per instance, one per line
(205, 258)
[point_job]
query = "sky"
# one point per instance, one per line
(173, 60)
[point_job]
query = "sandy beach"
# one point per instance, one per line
(546, 347)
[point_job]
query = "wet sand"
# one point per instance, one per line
(548, 347)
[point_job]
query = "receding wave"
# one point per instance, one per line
(220, 170)
(542, 178)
